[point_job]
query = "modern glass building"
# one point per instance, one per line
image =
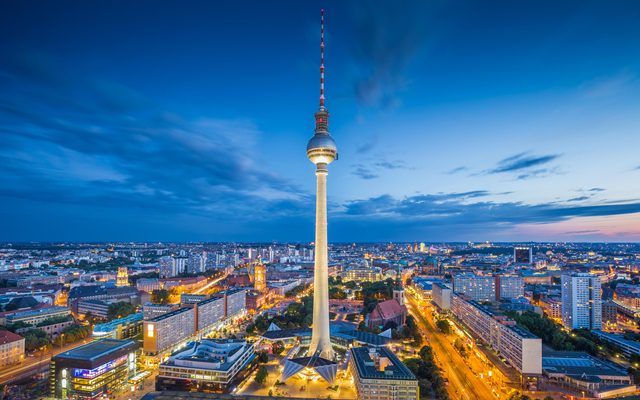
(93, 370)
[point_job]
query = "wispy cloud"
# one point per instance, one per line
(387, 38)
(457, 170)
(463, 209)
(372, 170)
(363, 172)
(522, 161)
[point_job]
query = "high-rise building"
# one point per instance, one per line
(181, 265)
(122, 279)
(522, 255)
(477, 287)
(167, 266)
(581, 301)
(509, 287)
(322, 151)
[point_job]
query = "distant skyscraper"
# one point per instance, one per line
(581, 301)
(167, 266)
(522, 255)
(321, 150)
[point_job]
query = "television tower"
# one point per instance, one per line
(321, 150)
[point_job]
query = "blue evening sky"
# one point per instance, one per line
(188, 120)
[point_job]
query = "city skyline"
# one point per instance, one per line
(505, 122)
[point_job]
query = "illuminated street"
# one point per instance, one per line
(463, 383)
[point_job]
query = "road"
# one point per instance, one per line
(32, 365)
(463, 383)
(210, 284)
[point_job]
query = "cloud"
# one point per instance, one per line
(84, 142)
(597, 189)
(364, 173)
(579, 198)
(456, 170)
(522, 161)
(462, 209)
(372, 170)
(386, 38)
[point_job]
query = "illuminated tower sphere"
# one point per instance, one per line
(260, 280)
(321, 150)
(122, 279)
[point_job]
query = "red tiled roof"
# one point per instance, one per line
(8, 337)
(389, 309)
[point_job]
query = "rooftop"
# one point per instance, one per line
(9, 337)
(579, 364)
(96, 349)
(364, 360)
(170, 314)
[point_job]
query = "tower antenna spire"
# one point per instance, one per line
(322, 59)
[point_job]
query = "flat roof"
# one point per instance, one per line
(170, 314)
(111, 325)
(39, 311)
(579, 364)
(94, 350)
(396, 370)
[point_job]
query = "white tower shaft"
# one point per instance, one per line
(320, 338)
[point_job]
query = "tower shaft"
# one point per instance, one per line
(320, 338)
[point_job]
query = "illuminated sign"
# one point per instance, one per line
(150, 330)
(92, 373)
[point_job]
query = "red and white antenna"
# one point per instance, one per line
(322, 59)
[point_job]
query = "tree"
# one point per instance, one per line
(160, 296)
(277, 347)
(261, 375)
(120, 310)
(443, 326)
(263, 357)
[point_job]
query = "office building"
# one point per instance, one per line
(581, 301)
(163, 333)
(11, 348)
(34, 317)
(522, 255)
(509, 287)
(235, 302)
(93, 370)
(379, 375)
(192, 298)
(128, 327)
(207, 365)
(148, 284)
(519, 347)
(94, 308)
(363, 274)
(153, 310)
(477, 287)
(211, 312)
(441, 295)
